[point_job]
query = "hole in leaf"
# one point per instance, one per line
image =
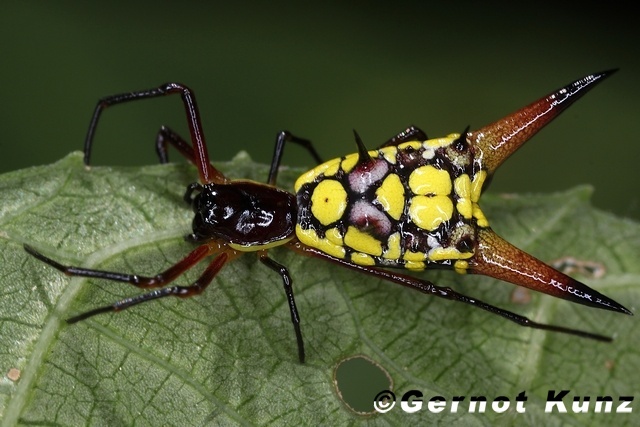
(358, 380)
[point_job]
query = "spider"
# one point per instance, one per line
(410, 204)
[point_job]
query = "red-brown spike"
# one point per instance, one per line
(496, 142)
(497, 258)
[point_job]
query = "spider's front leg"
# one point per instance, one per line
(196, 153)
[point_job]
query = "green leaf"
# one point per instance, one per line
(229, 356)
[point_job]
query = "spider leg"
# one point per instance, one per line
(443, 292)
(147, 282)
(288, 290)
(197, 155)
(143, 282)
(412, 133)
(281, 139)
(167, 136)
(196, 288)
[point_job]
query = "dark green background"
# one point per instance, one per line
(320, 71)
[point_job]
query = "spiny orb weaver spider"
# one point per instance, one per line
(411, 203)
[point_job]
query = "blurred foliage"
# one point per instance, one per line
(320, 71)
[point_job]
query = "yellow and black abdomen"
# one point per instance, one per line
(407, 205)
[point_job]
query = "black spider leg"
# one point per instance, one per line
(167, 136)
(446, 293)
(288, 290)
(281, 139)
(145, 282)
(278, 150)
(412, 133)
(199, 155)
